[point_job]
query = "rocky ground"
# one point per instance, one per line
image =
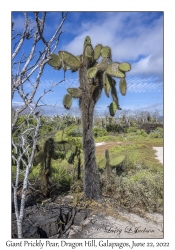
(61, 218)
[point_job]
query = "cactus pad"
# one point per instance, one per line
(106, 52)
(107, 61)
(123, 86)
(92, 72)
(97, 51)
(107, 154)
(87, 41)
(107, 81)
(67, 101)
(62, 146)
(71, 159)
(124, 67)
(74, 92)
(113, 70)
(89, 52)
(70, 60)
(114, 95)
(68, 154)
(38, 158)
(101, 67)
(80, 58)
(55, 61)
(74, 149)
(55, 155)
(102, 165)
(112, 108)
(117, 160)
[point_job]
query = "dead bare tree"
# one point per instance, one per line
(28, 65)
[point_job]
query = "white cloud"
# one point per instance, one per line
(129, 34)
(148, 65)
(141, 84)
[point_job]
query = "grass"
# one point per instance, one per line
(140, 185)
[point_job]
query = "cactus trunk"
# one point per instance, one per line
(79, 168)
(87, 103)
(45, 166)
(108, 168)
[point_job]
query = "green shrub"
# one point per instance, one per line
(35, 173)
(74, 131)
(142, 190)
(131, 129)
(61, 177)
(141, 132)
(99, 132)
(157, 133)
(115, 128)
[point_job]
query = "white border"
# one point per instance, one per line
(5, 95)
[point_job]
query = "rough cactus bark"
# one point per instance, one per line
(108, 168)
(87, 104)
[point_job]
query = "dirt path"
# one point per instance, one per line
(102, 146)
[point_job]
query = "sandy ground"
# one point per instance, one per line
(124, 225)
(159, 153)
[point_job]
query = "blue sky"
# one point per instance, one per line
(134, 37)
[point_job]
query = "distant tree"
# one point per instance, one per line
(28, 65)
(94, 76)
(156, 116)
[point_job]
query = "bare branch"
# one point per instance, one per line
(26, 133)
(40, 26)
(23, 36)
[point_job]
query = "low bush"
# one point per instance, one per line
(131, 129)
(61, 178)
(116, 128)
(141, 189)
(74, 131)
(99, 132)
(157, 133)
(140, 183)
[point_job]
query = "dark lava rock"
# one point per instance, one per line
(50, 220)
(150, 127)
(80, 216)
(45, 221)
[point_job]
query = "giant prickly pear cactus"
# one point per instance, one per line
(94, 76)
(53, 150)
